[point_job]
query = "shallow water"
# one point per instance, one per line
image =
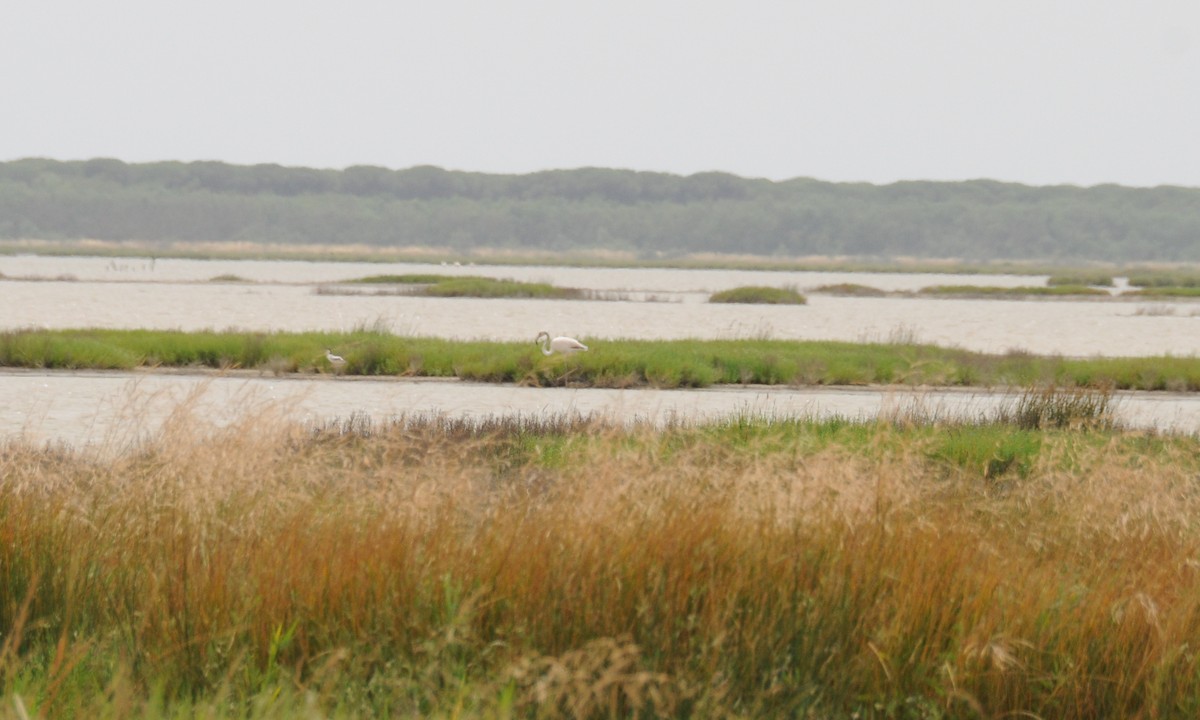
(179, 294)
(109, 409)
(114, 410)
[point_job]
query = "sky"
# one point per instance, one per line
(1041, 92)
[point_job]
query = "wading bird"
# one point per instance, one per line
(564, 345)
(336, 361)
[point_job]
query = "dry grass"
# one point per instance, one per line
(568, 567)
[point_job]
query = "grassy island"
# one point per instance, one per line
(760, 295)
(614, 363)
(432, 285)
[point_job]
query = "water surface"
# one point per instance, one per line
(116, 409)
(112, 409)
(284, 296)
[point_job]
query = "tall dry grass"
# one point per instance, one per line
(569, 567)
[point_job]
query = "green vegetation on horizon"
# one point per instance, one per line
(612, 363)
(570, 568)
(649, 215)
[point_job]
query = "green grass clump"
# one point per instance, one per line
(850, 289)
(1085, 278)
(407, 279)
(1164, 291)
(1165, 279)
(567, 567)
(492, 288)
(759, 294)
(1023, 291)
(433, 285)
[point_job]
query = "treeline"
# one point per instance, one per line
(592, 208)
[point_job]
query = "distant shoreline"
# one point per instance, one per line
(600, 259)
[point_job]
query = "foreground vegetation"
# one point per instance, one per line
(569, 567)
(614, 364)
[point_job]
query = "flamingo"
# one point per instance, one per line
(564, 345)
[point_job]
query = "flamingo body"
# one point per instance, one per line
(561, 345)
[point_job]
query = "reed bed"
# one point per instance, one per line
(570, 567)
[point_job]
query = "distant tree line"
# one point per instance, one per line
(593, 208)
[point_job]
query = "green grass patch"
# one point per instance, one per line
(851, 290)
(991, 451)
(760, 295)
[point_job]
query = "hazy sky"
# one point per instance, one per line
(1040, 92)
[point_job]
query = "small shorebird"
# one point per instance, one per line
(337, 361)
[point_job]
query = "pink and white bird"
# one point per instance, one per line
(564, 345)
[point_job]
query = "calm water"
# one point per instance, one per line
(180, 294)
(104, 408)
(113, 410)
